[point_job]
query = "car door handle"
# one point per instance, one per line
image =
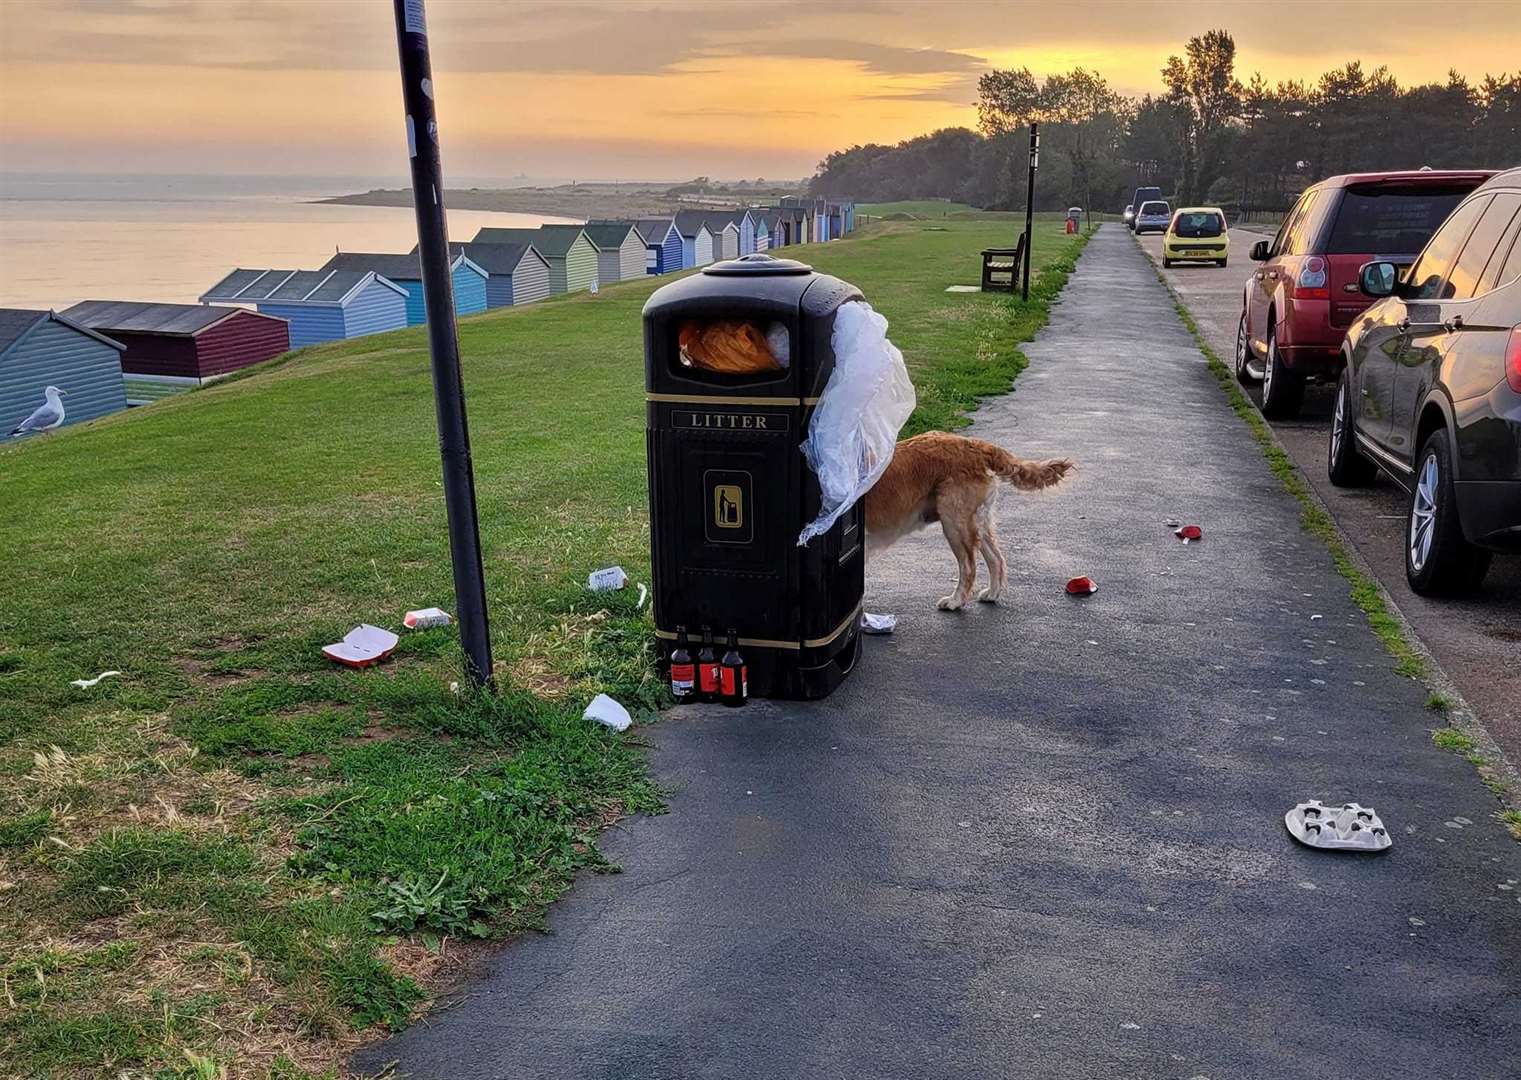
(1454, 323)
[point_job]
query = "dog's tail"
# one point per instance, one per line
(1026, 475)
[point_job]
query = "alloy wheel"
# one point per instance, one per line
(1339, 423)
(1423, 509)
(1268, 364)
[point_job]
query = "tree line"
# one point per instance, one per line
(1209, 138)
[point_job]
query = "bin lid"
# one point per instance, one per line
(757, 264)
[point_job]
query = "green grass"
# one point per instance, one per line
(917, 208)
(282, 846)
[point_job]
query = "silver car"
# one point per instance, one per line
(1153, 216)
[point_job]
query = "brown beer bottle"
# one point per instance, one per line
(733, 676)
(707, 668)
(683, 671)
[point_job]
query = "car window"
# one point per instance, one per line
(1491, 278)
(1288, 221)
(1480, 248)
(1154, 208)
(1512, 269)
(1427, 276)
(1298, 240)
(1384, 219)
(1198, 224)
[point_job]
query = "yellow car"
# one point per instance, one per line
(1196, 234)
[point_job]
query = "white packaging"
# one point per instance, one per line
(607, 579)
(865, 404)
(423, 618)
(604, 710)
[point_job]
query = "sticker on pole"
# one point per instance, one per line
(413, 18)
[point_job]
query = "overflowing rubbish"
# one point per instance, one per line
(854, 429)
(362, 646)
(423, 618)
(644, 594)
(1337, 828)
(878, 624)
(85, 684)
(1187, 533)
(734, 346)
(607, 579)
(1082, 586)
(604, 710)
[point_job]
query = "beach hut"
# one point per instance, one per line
(515, 273)
(725, 230)
(696, 238)
(42, 349)
(173, 347)
(571, 255)
(746, 223)
(662, 244)
(406, 270)
(620, 250)
(762, 219)
(320, 305)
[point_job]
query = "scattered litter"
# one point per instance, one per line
(1082, 586)
(963, 288)
(1171, 523)
(85, 684)
(643, 595)
(1188, 532)
(604, 710)
(607, 579)
(423, 618)
(1314, 617)
(362, 646)
(1417, 922)
(878, 624)
(1337, 828)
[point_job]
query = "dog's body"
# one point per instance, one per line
(953, 480)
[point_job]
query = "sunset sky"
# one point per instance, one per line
(656, 89)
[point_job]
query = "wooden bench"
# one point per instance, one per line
(1001, 267)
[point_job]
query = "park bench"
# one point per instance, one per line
(1000, 268)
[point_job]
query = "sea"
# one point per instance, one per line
(71, 237)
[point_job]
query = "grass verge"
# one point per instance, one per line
(233, 856)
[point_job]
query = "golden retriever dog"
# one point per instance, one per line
(953, 480)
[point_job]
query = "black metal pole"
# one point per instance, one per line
(443, 339)
(1030, 203)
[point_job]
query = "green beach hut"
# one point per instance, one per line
(571, 255)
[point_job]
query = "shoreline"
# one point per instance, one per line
(584, 201)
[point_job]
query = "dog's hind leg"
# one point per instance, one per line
(961, 534)
(992, 554)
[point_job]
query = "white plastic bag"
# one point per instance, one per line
(864, 405)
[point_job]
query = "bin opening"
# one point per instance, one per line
(734, 346)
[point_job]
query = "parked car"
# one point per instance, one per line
(1143, 195)
(1431, 390)
(1128, 216)
(1197, 234)
(1297, 305)
(1153, 216)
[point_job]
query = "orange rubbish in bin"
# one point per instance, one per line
(730, 346)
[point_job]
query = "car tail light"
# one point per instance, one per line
(1312, 283)
(1513, 360)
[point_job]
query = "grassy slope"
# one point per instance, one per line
(235, 849)
(925, 208)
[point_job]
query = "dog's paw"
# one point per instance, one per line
(989, 596)
(950, 603)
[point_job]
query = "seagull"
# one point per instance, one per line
(47, 416)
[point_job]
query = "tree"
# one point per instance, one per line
(1203, 85)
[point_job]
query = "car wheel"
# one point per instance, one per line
(1345, 466)
(1167, 264)
(1438, 559)
(1245, 375)
(1221, 262)
(1282, 389)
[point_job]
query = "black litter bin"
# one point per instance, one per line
(730, 491)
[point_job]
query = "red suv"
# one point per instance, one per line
(1298, 304)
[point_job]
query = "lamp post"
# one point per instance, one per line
(443, 338)
(1030, 202)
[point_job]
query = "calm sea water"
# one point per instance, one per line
(66, 238)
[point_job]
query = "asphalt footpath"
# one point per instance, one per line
(1477, 637)
(1045, 839)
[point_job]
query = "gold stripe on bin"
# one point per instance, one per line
(767, 643)
(700, 399)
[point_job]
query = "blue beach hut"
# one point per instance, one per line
(320, 305)
(662, 241)
(41, 350)
(406, 271)
(515, 273)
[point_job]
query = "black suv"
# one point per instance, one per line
(1431, 390)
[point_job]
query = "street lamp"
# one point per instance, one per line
(1030, 202)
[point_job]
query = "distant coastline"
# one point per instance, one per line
(585, 201)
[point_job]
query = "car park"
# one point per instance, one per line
(1197, 234)
(1142, 195)
(1430, 391)
(1152, 216)
(1296, 306)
